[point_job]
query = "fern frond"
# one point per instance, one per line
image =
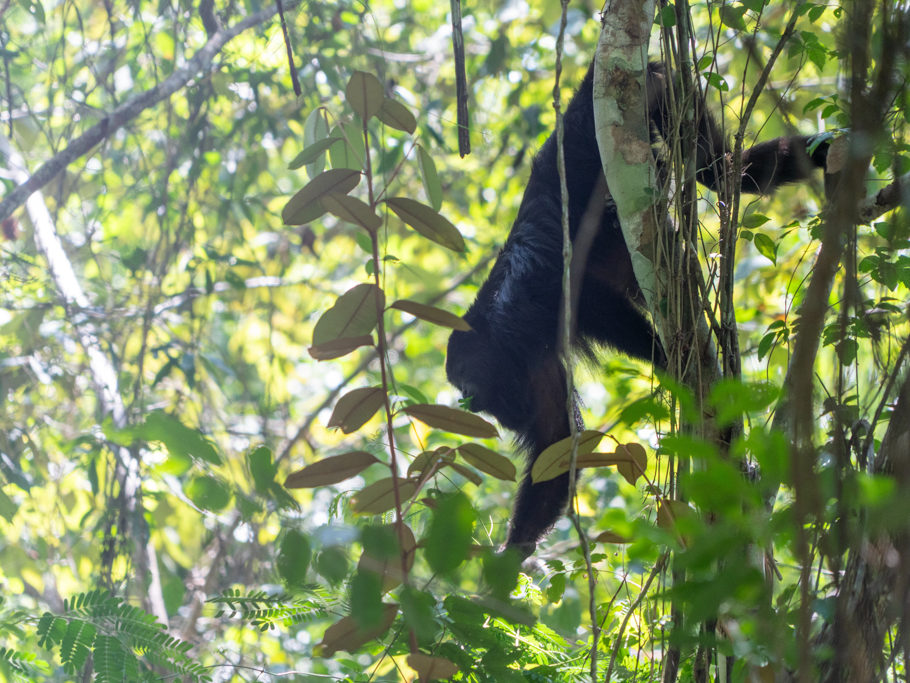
(265, 611)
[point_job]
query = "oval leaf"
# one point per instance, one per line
(299, 208)
(339, 347)
(354, 314)
(487, 460)
(389, 567)
(352, 210)
(294, 557)
(393, 113)
(316, 127)
(467, 473)
(379, 497)
(452, 420)
(632, 461)
(364, 94)
(430, 668)
(430, 178)
(356, 407)
(208, 493)
(555, 459)
(311, 153)
(443, 455)
(611, 537)
(331, 470)
(432, 314)
(427, 222)
(347, 634)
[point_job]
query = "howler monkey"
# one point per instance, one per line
(509, 362)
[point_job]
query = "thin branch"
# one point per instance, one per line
(201, 62)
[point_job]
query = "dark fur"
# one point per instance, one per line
(509, 363)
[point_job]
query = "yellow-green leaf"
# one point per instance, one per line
(364, 94)
(379, 497)
(337, 348)
(430, 178)
(300, 207)
(389, 567)
(487, 460)
(393, 113)
(432, 314)
(346, 634)
(352, 210)
(427, 222)
(452, 420)
(311, 153)
(555, 459)
(430, 668)
(354, 314)
(356, 407)
(331, 470)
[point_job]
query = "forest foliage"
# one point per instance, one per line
(228, 450)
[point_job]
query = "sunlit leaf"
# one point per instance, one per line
(330, 470)
(393, 113)
(429, 668)
(430, 178)
(346, 634)
(427, 222)
(379, 497)
(555, 459)
(452, 420)
(208, 493)
(364, 94)
(432, 314)
(311, 153)
(299, 208)
(356, 407)
(487, 460)
(355, 313)
(181, 441)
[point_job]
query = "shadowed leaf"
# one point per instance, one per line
(379, 497)
(393, 113)
(555, 459)
(487, 460)
(452, 420)
(364, 94)
(347, 634)
(432, 314)
(427, 222)
(331, 470)
(356, 407)
(299, 209)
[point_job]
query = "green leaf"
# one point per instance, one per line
(766, 246)
(259, 460)
(393, 113)
(354, 314)
(312, 152)
(356, 407)
(316, 127)
(365, 94)
(449, 538)
(182, 442)
(379, 497)
(754, 220)
(432, 314)
(352, 210)
(331, 470)
(427, 222)
(300, 207)
(452, 420)
(294, 556)
(554, 460)
(430, 178)
(487, 460)
(208, 493)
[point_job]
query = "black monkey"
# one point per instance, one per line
(509, 363)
